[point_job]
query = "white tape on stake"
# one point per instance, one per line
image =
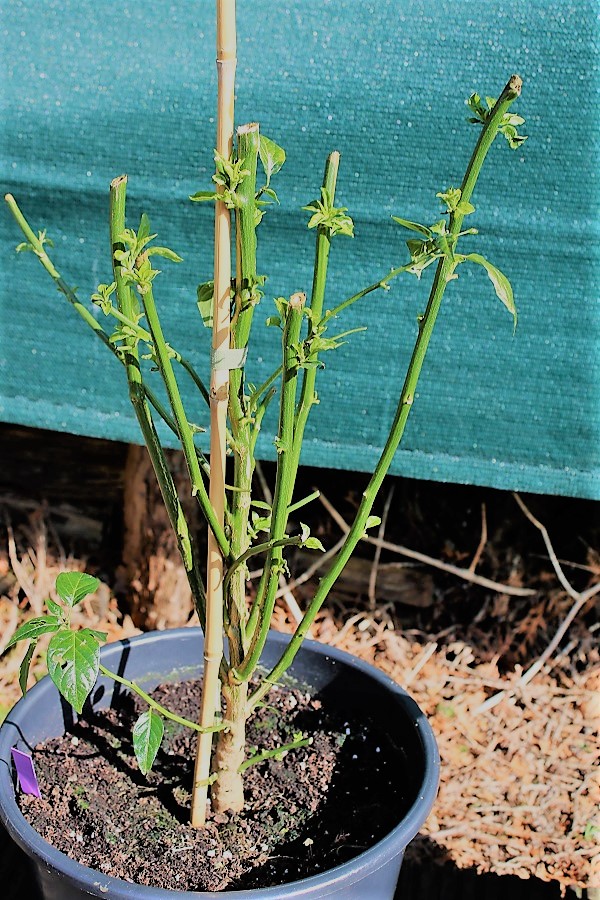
(221, 360)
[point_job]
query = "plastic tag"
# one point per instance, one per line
(25, 772)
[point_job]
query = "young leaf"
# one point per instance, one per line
(73, 658)
(414, 226)
(54, 608)
(465, 208)
(165, 253)
(24, 670)
(147, 736)
(372, 522)
(272, 156)
(260, 504)
(34, 628)
(205, 302)
(313, 543)
(72, 587)
(99, 635)
(501, 283)
(144, 229)
(204, 196)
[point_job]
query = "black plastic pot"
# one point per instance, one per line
(177, 655)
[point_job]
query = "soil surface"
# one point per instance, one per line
(315, 808)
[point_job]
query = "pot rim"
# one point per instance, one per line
(368, 861)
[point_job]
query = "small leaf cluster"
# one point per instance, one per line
(307, 350)
(329, 217)
(27, 246)
(135, 265)
(73, 656)
(508, 126)
(230, 174)
(102, 297)
(452, 200)
(437, 242)
(272, 157)
(128, 332)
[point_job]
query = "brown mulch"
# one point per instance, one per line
(520, 782)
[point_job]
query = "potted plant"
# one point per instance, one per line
(239, 659)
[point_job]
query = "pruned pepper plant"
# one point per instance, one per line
(241, 526)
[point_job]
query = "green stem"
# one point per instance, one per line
(323, 245)
(154, 705)
(144, 335)
(85, 314)
(265, 598)
(443, 274)
(186, 435)
(295, 541)
(262, 610)
(253, 398)
(137, 394)
(383, 284)
(270, 754)
(243, 464)
(48, 265)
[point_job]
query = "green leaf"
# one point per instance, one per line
(273, 321)
(372, 522)
(73, 658)
(501, 283)
(34, 628)
(272, 156)
(313, 543)
(205, 302)
(99, 635)
(465, 208)
(413, 226)
(72, 587)
(147, 736)
(270, 193)
(165, 253)
(54, 607)
(203, 196)
(144, 229)
(24, 670)
(450, 198)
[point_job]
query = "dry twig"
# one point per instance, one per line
(482, 540)
(377, 556)
(580, 598)
(465, 574)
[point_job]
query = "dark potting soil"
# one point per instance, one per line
(309, 811)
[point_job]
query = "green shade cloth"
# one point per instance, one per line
(92, 90)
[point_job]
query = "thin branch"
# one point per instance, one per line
(482, 540)
(580, 598)
(318, 564)
(465, 574)
(286, 587)
(377, 556)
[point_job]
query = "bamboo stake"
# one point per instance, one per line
(219, 391)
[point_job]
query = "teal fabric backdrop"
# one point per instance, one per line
(94, 89)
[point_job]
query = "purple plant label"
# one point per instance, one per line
(25, 772)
